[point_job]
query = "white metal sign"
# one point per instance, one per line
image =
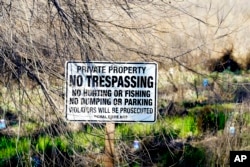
(111, 91)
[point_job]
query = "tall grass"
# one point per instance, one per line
(181, 127)
(186, 126)
(91, 140)
(11, 147)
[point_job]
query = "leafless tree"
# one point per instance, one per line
(37, 38)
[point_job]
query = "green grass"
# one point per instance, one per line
(62, 143)
(174, 126)
(11, 147)
(88, 142)
(43, 144)
(186, 126)
(211, 117)
(21, 149)
(91, 140)
(7, 147)
(194, 156)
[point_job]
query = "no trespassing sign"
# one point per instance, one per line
(111, 91)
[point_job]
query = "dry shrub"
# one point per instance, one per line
(248, 61)
(225, 62)
(229, 61)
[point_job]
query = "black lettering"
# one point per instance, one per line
(103, 110)
(120, 82)
(126, 81)
(95, 81)
(75, 80)
(133, 81)
(79, 80)
(102, 81)
(140, 102)
(108, 81)
(143, 83)
(73, 101)
(79, 68)
(114, 80)
(76, 92)
(89, 80)
(150, 82)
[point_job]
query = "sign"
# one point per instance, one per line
(111, 91)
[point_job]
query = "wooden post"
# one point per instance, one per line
(109, 157)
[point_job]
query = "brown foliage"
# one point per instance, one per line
(225, 62)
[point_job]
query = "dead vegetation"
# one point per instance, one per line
(227, 61)
(185, 38)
